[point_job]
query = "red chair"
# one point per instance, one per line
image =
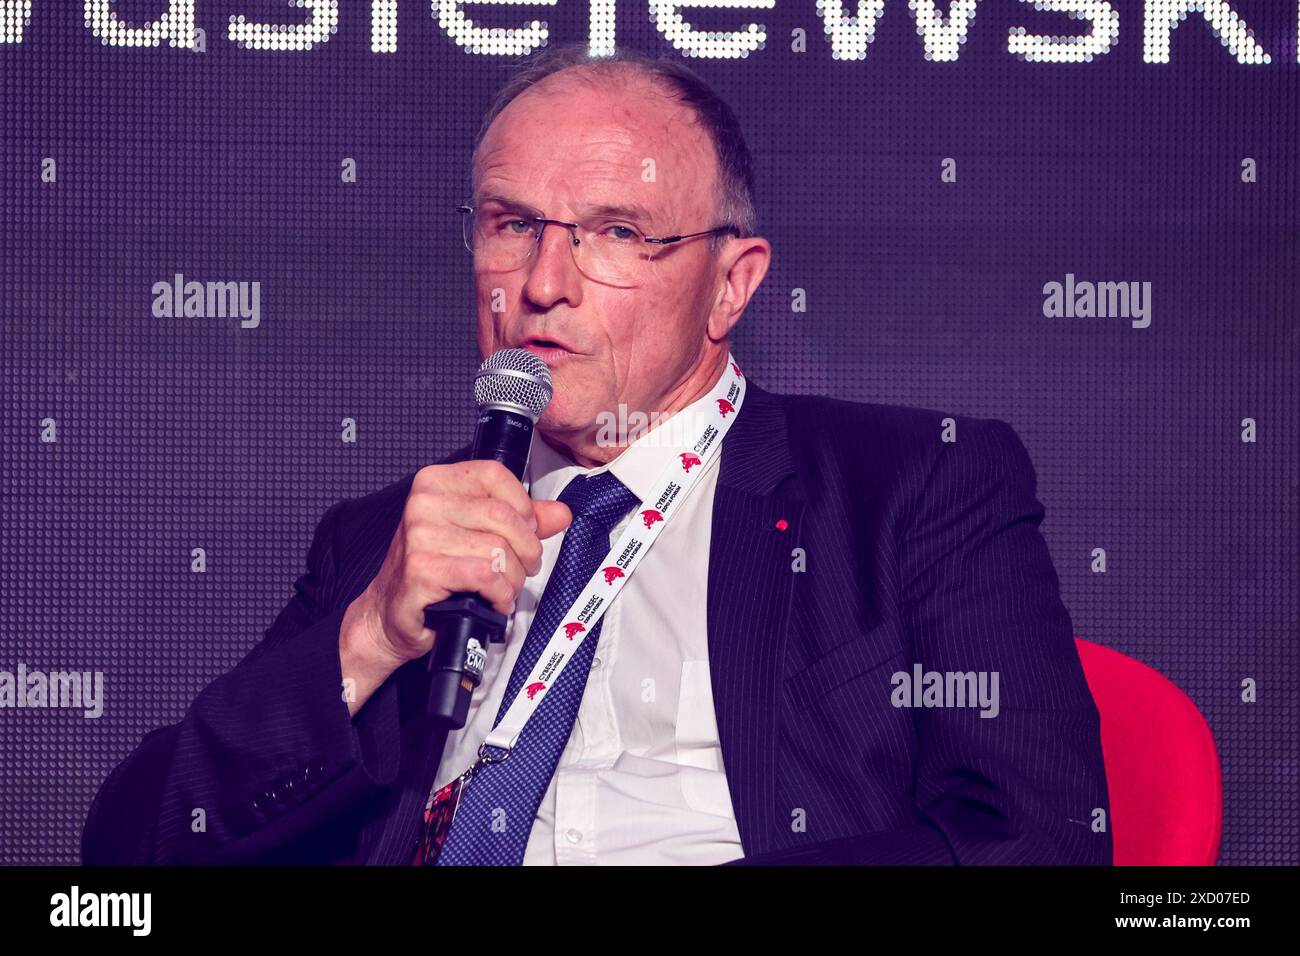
(1166, 789)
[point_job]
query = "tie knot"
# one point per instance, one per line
(601, 498)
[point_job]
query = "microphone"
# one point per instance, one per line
(512, 388)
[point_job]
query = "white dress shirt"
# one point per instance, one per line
(641, 780)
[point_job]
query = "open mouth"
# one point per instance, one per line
(546, 349)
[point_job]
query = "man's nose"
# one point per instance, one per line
(552, 269)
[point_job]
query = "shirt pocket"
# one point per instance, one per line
(699, 753)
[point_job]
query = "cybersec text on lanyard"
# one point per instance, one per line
(652, 516)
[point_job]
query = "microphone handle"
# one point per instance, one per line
(465, 623)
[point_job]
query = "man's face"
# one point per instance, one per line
(564, 146)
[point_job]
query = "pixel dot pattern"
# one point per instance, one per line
(184, 433)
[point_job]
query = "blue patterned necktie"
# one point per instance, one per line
(508, 793)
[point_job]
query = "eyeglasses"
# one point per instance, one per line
(605, 250)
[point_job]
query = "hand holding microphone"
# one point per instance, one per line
(468, 537)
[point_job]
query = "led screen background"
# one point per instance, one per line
(890, 283)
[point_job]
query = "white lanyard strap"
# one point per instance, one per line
(672, 486)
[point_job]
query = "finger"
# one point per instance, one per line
(485, 544)
(552, 517)
(438, 573)
(470, 478)
(493, 515)
(496, 480)
(449, 537)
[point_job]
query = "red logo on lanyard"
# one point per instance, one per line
(736, 368)
(534, 689)
(725, 407)
(689, 461)
(611, 573)
(572, 628)
(650, 516)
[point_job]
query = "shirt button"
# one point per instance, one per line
(573, 836)
(595, 662)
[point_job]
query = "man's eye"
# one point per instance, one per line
(524, 227)
(622, 233)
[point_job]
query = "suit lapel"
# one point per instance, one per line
(749, 588)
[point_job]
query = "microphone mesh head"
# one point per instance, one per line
(514, 377)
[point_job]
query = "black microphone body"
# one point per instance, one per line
(465, 623)
(504, 436)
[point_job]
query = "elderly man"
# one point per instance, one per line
(847, 646)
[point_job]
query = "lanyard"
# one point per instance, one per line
(670, 490)
(672, 486)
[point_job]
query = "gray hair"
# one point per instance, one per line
(735, 164)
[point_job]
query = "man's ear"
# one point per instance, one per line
(744, 264)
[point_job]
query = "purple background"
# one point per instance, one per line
(183, 433)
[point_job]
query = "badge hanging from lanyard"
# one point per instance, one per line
(441, 810)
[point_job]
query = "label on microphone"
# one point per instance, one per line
(475, 660)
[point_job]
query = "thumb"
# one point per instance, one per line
(552, 517)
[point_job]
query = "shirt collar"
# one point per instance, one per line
(637, 466)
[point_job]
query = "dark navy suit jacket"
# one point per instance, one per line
(914, 551)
